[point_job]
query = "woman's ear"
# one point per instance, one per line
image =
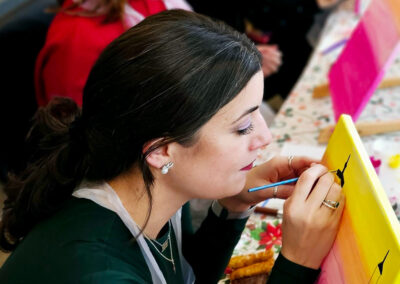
(157, 158)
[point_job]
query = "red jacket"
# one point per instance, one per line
(72, 46)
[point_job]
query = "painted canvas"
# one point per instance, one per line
(367, 246)
(356, 74)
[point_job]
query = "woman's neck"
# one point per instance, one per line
(131, 190)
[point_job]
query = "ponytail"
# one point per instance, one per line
(55, 167)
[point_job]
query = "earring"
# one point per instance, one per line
(166, 167)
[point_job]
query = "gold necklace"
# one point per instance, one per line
(164, 246)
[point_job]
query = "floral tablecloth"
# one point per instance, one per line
(301, 118)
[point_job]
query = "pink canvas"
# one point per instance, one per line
(371, 48)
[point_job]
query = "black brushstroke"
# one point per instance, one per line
(380, 265)
(340, 173)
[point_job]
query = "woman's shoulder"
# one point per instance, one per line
(79, 222)
(81, 241)
(83, 219)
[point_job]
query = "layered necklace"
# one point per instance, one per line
(163, 246)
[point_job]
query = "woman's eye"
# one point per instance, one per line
(246, 130)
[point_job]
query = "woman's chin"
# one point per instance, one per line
(227, 189)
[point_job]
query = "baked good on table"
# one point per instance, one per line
(251, 268)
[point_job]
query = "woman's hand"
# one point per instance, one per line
(325, 4)
(271, 58)
(309, 227)
(277, 169)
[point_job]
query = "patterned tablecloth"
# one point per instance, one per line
(301, 118)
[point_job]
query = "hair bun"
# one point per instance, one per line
(64, 109)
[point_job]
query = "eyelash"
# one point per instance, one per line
(246, 130)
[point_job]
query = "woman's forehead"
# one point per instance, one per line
(249, 97)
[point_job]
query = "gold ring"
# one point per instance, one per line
(290, 158)
(275, 192)
(331, 204)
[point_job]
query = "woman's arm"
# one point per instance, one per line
(209, 249)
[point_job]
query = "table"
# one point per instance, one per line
(301, 118)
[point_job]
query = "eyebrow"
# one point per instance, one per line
(246, 113)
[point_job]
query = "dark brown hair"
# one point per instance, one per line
(164, 78)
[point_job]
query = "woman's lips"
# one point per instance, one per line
(248, 167)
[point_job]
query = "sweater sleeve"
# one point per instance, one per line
(285, 271)
(72, 46)
(209, 249)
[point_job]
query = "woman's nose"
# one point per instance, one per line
(263, 135)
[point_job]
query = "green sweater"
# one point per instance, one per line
(86, 243)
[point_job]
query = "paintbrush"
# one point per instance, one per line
(278, 183)
(269, 211)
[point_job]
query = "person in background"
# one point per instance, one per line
(275, 27)
(170, 113)
(78, 34)
(279, 28)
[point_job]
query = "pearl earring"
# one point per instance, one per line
(166, 167)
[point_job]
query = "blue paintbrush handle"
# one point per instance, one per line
(278, 183)
(273, 184)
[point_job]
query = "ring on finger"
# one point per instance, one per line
(290, 159)
(331, 204)
(275, 192)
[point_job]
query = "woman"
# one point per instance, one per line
(170, 113)
(78, 34)
(283, 24)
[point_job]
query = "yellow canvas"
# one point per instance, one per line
(367, 247)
